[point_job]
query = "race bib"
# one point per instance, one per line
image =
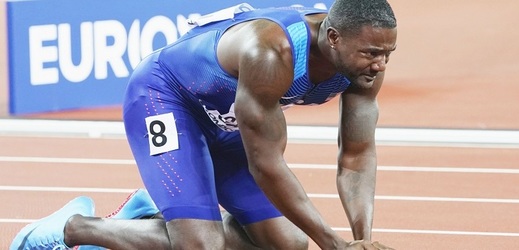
(162, 133)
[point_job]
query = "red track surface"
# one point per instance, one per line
(441, 216)
(453, 69)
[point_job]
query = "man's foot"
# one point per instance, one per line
(48, 233)
(138, 205)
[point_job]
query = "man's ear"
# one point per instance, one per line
(333, 36)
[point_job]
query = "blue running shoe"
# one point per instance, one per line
(138, 205)
(48, 233)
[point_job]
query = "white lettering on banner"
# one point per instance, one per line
(42, 54)
(156, 25)
(70, 71)
(103, 45)
(141, 45)
(110, 54)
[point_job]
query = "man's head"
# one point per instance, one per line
(362, 35)
(349, 16)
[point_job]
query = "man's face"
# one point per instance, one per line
(362, 56)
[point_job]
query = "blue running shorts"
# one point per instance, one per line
(188, 165)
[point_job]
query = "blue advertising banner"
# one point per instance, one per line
(66, 54)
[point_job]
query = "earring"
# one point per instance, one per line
(332, 46)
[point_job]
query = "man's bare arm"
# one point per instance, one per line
(357, 160)
(265, 75)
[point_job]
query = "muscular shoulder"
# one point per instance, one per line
(260, 40)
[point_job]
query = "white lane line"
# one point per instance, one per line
(346, 229)
(416, 169)
(445, 199)
(442, 232)
(415, 136)
(423, 198)
(333, 196)
(296, 134)
(450, 169)
(292, 165)
(311, 195)
(66, 160)
(66, 189)
(44, 127)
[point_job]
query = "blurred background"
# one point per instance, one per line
(454, 68)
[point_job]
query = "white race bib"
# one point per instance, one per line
(162, 133)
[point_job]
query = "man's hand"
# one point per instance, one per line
(365, 245)
(381, 247)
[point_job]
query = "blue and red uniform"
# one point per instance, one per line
(179, 119)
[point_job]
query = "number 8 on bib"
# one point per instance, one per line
(162, 133)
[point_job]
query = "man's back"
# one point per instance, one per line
(199, 61)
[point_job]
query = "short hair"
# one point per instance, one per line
(351, 15)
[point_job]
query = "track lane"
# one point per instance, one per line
(406, 224)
